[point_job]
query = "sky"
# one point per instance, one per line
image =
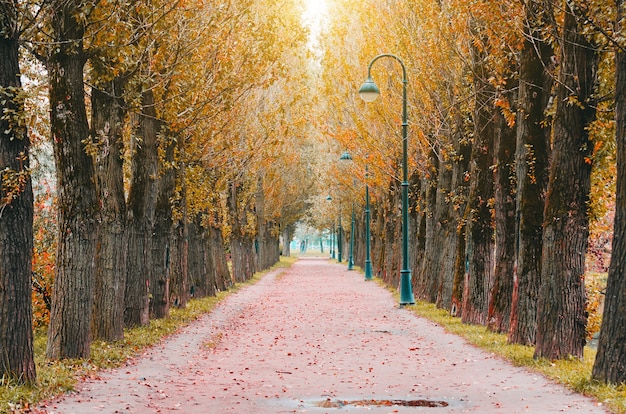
(314, 17)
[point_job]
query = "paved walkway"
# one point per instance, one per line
(318, 339)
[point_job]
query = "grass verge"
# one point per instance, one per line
(57, 377)
(574, 374)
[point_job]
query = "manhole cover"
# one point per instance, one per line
(330, 403)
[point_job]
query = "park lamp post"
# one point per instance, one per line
(351, 256)
(339, 237)
(369, 92)
(368, 261)
(347, 157)
(332, 232)
(339, 232)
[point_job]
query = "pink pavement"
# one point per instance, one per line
(317, 338)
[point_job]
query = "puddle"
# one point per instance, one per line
(336, 403)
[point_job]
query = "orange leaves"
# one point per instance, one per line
(44, 249)
(505, 108)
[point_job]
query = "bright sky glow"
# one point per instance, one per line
(314, 18)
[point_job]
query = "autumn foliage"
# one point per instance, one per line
(188, 132)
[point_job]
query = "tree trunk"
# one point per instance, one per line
(426, 275)
(69, 332)
(217, 252)
(441, 287)
(287, 236)
(241, 244)
(201, 277)
(610, 363)
(266, 253)
(179, 280)
(108, 112)
(499, 316)
(16, 215)
(141, 207)
(479, 238)
(561, 312)
(391, 243)
(162, 234)
(459, 196)
(531, 162)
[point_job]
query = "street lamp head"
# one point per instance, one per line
(369, 91)
(345, 156)
(329, 198)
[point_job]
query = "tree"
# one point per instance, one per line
(162, 248)
(531, 163)
(561, 312)
(610, 365)
(69, 333)
(141, 206)
(478, 216)
(108, 114)
(499, 313)
(16, 210)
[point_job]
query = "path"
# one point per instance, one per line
(318, 339)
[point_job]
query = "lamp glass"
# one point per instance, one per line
(345, 156)
(369, 91)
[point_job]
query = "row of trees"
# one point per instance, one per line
(515, 110)
(179, 127)
(166, 118)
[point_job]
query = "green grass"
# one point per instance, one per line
(57, 377)
(573, 373)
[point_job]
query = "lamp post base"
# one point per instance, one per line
(406, 291)
(368, 270)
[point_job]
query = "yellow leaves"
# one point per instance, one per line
(14, 181)
(572, 100)
(505, 107)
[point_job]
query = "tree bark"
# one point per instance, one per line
(69, 332)
(531, 162)
(610, 363)
(441, 287)
(16, 213)
(425, 277)
(141, 207)
(479, 226)
(162, 236)
(179, 281)
(108, 113)
(266, 253)
(390, 258)
(561, 311)
(287, 235)
(217, 252)
(201, 277)
(499, 316)
(459, 197)
(241, 243)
